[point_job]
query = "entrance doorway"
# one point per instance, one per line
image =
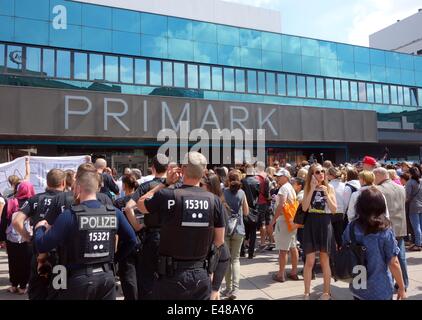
(121, 162)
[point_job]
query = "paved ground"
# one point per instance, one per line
(256, 282)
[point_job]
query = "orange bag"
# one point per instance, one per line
(289, 211)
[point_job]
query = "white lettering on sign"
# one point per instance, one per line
(238, 120)
(115, 115)
(170, 203)
(68, 112)
(97, 222)
(210, 112)
(60, 20)
(184, 115)
(267, 120)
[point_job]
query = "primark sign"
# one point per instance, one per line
(59, 113)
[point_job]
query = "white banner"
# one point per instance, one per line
(39, 167)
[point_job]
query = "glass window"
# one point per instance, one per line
(180, 49)
(32, 9)
(250, 58)
(328, 50)
(217, 78)
(153, 24)
(393, 94)
(393, 59)
(378, 93)
(126, 20)
(140, 71)
(167, 74)
(152, 46)
(406, 94)
(112, 68)
(228, 79)
(271, 60)
(310, 47)
(261, 82)
(420, 97)
(240, 80)
(126, 43)
(30, 31)
(345, 90)
(345, 52)
(400, 95)
(363, 71)
(252, 81)
(2, 55)
(281, 84)
(97, 39)
(229, 55)
(353, 91)
(250, 38)
(126, 70)
(328, 67)
(292, 62)
(291, 85)
(80, 66)
(203, 31)
(48, 62)
(96, 67)
(329, 86)
(96, 16)
(63, 64)
(205, 52)
(301, 86)
(179, 28)
(14, 57)
(192, 76)
(377, 57)
(406, 61)
(205, 77)
(370, 92)
(311, 65)
(362, 92)
(291, 44)
(361, 54)
(228, 35)
(310, 87)
(271, 41)
(270, 83)
(385, 94)
(179, 75)
(7, 7)
(320, 88)
(155, 73)
(337, 89)
(33, 58)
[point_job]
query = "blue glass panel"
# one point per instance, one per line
(205, 32)
(418, 64)
(7, 28)
(126, 70)
(32, 9)
(337, 89)
(217, 78)
(33, 58)
(393, 94)
(96, 16)
(353, 91)
(205, 52)
(126, 43)
(345, 90)
(96, 67)
(250, 38)
(345, 52)
(180, 28)
(378, 73)
(406, 61)
(346, 69)
(310, 47)
(408, 77)
(406, 95)
(179, 75)
(370, 92)
(112, 68)
(413, 97)
(63, 64)
(80, 66)
(228, 79)
(292, 62)
(385, 94)
(228, 35)
(329, 87)
(378, 93)
(271, 41)
(362, 91)
(420, 97)
(167, 74)
(418, 78)
(48, 62)
(392, 59)
(361, 54)
(311, 65)
(310, 87)
(140, 71)
(270, 83)
(271, 60)
(240, 80)
(180, 49)
(377, 57)
(291, 85)
(7, 7)
(154, 24)
(192, 76)
(261, 82)
(252, 86)
(155, 73)
(73, 10)
(281, 84)
(250, 58)
(229, 55)
(69, 38)
(126, 20)
(301, 86)
(327, 50)
(320, 90)
(153, 46)
(393, 75)
(205, 77)
(328, 68)
(32, 31)
(363, 71)
(291, 44)
(400, 95)
(94, 39)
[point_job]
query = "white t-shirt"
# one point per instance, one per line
(338, 187)
(2, 201)
(286, 191)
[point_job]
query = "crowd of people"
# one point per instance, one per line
(180, 231)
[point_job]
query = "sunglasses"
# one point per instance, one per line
(319, 172)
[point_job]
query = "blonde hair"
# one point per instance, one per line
(302, 173)
(393, 174)
(368, 177)
(309, 179)
(270, 171)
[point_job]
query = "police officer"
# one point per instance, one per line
(35, 209)
(191, 221)
(85, 235)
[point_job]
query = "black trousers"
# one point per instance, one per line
(128, 270)
(19, 259)
(250, 230)
(222, 266)
(89, 286)
(148, 265)
(337, 221)
(192, 284)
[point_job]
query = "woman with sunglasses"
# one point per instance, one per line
(319, 202)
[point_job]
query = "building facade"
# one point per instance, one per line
(79, 77)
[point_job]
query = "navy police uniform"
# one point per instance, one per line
(188, 217)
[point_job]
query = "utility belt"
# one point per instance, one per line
(316, 211)
(167, 266)
(90, 270)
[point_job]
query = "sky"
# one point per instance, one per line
(338, 20)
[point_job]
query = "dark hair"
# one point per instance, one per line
(160, 162)
(55, 178)
(130, 181)
(221, 173)
(234, 181)
(370, 209)
(213, 183)
(405, 176)
(299, 181)
(415, 174)
(352, 174)
(70, 177)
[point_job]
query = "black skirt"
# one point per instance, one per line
(318, 234)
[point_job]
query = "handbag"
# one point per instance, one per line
(300, 216)
(348, 257)
(252, 217)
